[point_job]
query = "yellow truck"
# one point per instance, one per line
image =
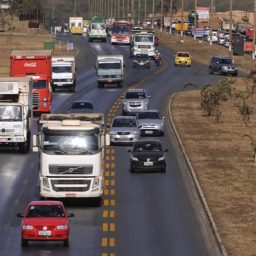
(76, 25)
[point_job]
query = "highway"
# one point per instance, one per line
(155, 214)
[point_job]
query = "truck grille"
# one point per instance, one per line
(144, 46)
(109, 76)
(36, 100)
(59, 80)
(70, 170)
(71, 185)
(123, 133)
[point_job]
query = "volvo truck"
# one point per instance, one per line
(71, 149)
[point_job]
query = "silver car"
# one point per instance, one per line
(124, 130)
(150, 122)
(135, 100)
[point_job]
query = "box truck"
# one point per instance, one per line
(36, 64)
(15, 112)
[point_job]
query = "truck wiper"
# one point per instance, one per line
(58, 150)
(83, 150)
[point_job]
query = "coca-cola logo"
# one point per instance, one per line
(30, 65)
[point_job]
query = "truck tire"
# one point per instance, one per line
(25, 146)
(100, 85)
(121, 84)
(53, 88)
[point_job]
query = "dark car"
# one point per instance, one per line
(141, 61)
(82, 107)
(147, 155)
(222, 65)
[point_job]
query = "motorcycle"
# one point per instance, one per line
(157, 59)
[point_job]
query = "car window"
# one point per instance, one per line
(45, 211)
(225, 61)
(135, 95)
(182, 54)
(148, 115)
(124, 122)
(81, 105)
(147, 146)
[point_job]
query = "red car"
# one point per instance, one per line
(45, 221)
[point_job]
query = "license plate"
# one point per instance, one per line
(148, 163)
(2, 139)
(70, 195)
(44, 233)
(148, 132)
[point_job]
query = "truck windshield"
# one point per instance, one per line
(70, 143)
(143, 39)
(10, 113)
(104, 65)
(98, 26)
(61, 69)
(40, 84)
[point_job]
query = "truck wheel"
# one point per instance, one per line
(24, 146)
(100, 85)
(121, 84)
(53, 88)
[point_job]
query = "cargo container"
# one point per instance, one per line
(36, 64)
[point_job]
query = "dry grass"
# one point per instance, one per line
(221, 157)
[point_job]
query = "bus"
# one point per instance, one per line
(121, 32)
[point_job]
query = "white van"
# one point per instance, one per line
(215, 38)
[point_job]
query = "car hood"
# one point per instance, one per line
(148, 154)
(41, 221)
(149, 121)
(124, 129)
(136, 100)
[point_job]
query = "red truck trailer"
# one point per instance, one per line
(36, 64)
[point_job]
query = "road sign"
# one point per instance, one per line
(198, 32)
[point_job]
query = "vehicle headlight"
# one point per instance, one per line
(96, 182)
(69, 80)
(62, 227)
(224, 67)
(161, 158)
(134, 158)
(135, 132)
(27, 227)
(46, 183)
(45, 99)
(112, 133)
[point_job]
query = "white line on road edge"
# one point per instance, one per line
(198, 187)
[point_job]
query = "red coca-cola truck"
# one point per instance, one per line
(36, 64)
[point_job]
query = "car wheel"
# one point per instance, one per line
(53, 88)
(234, 74)
(210, 70)
(66, 243)
(132, 170)
(24, 242)
(162, 133)
(163, 169)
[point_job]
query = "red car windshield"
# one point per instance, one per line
(45, 211)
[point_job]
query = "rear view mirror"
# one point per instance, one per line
(19, 215)
(71, 215)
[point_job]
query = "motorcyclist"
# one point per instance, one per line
(157, 58)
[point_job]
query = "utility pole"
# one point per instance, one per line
(254, 34)
(211, 15)
(195, 20)
(182, 13)
(171, 7)
(145, 10)
(75, 7)
(139, 6)
(53, 10)
(132, 12)
(161, 20)
(118, 9)
(230, 24)
(153, 13)
(123, 10)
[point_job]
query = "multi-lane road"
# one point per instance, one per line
(154, 214)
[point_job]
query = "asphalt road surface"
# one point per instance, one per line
(156, 214)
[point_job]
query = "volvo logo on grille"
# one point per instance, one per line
(3, 130)
(70, 170)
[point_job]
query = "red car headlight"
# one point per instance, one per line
(62, 227)
(27, 227)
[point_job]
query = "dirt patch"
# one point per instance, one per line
(221, 157)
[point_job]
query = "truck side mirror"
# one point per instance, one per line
(124, 66)
(35, 143)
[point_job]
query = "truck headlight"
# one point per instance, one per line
(96, 182)
(62, 227)
(46, 183)
(161, 158)
(27, 227)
